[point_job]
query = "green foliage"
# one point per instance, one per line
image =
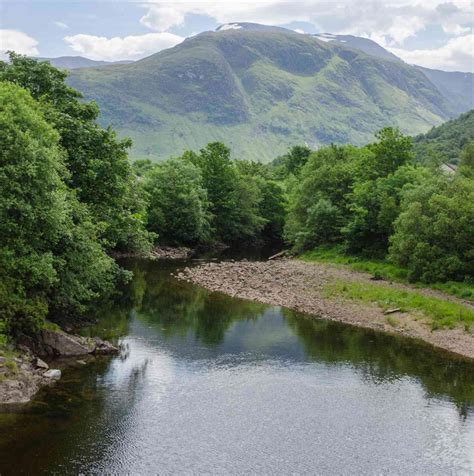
(97, 162)
(440, 312)
(375, 205)
(293, 161)
(178, 205)
(466, 166)
(391, 150)
(49, 256)
(434, 234)
(445, 142)
(381, 269)
(234, 200)
(370, 198)
(205, 197)
(321, 193)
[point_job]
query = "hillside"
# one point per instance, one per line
(457, 87)
(447, 140)
(364, 44)
(260, 91)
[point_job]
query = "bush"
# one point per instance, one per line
(434, 234)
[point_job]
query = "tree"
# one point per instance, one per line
(392, 150)
(178, 206)
(233, 201)
(434, 234)
(47, 241)
(466, 166)
(375, 205)
(322, 191)
(296, 159)
(273, 201)
(97, 161)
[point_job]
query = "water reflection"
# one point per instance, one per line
(207, 383)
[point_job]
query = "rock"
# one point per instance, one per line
(58, 343)
(81, 362)
(102, 347)
(54, 374)
(41, 364)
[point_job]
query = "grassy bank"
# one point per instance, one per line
(383, 270)
(439, 312)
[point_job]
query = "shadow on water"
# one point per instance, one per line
(73, 425)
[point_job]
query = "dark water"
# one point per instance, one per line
(211, 384)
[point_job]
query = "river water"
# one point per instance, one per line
(213, 384)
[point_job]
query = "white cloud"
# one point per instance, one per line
(456, 55)
(393, 21)
(61, 25)
(121, 48)
(162, 17)
(18, 42)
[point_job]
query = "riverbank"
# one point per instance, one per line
(335, 293)
(23, 372)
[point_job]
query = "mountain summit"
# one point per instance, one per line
(260, 89)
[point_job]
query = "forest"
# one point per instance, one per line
(71, 200)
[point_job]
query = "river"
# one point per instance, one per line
(213, 384)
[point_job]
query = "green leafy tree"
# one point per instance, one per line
(178, 206)
(273, 201)
(375, 205)
(322, 191)
(296, 158)
(434, 234)
(233, 201)
(49, 256)
(466, 166)
(392, 150)
(97, 161)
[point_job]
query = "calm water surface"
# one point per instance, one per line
(213, 384)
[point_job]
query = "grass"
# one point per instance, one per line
(441, 313)
(381, 269)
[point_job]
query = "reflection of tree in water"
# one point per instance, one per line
(113, 315)
(176, 308)
(382, 357)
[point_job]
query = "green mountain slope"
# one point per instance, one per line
(259, 91)
(457, 87)
(447, 140)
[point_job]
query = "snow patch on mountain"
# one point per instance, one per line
(229, 26)
(327, 37)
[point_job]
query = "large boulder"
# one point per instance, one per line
(57, 343)
(61, 344)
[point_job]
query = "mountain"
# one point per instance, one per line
(260, 91)
(76, 62)
(446, 140)
(457, 87)
(364, 44)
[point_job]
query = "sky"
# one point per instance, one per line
(432, 33)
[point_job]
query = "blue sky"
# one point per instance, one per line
(432, 33)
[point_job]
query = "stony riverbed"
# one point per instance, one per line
(301, 286)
